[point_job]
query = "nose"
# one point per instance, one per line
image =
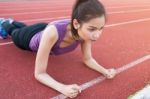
(96, 35)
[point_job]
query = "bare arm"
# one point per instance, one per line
(91, 62)
(48, 40)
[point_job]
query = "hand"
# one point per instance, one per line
(71, 91)
(110, 73)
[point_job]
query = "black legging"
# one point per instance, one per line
(22, 34)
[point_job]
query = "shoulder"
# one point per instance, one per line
(50, 32)
(54, 27)
(61, 21)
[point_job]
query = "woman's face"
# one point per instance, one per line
(92, 29)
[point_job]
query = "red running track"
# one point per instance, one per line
(117, 46)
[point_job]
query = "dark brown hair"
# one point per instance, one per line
(84, 11)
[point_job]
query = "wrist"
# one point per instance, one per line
(105, 72)
(59, 87)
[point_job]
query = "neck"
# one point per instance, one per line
(71, 34)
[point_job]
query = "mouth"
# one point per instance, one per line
(93, 40)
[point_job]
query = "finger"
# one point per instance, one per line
(113, 70)
(76, 92)
(73, 96)
(113, 73)
(109, 76)
(112, 76)
(77, 88)
(80, 90)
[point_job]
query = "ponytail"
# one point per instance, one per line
(78, 2)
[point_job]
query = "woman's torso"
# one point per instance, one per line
(61, 26)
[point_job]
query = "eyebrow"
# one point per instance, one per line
(96, 27)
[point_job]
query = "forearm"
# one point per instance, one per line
(42, 76)
(47, 80)
(91, 63)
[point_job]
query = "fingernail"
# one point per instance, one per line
(80, 90)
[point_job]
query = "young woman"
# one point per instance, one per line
(59, 37)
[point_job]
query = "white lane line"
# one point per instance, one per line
(1, 44)
(48, 19)
(113, 7)
(45, 19)
(52, 7)
(102, 78)
(111, 25)
(129, 11)
(35, 2)
(43, 7)
(128, 22)
(54, 11)
(36, 12)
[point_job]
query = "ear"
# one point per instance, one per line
(76, 24)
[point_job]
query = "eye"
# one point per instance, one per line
(101, 28)
(91, 29)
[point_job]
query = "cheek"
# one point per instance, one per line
(86, 34)
(83, 33)
(89, 34)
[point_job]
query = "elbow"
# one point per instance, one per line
(38, 72)
(87, 60)
(37, 75)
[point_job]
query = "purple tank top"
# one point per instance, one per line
(56, 50)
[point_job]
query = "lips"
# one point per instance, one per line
(93, 39)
